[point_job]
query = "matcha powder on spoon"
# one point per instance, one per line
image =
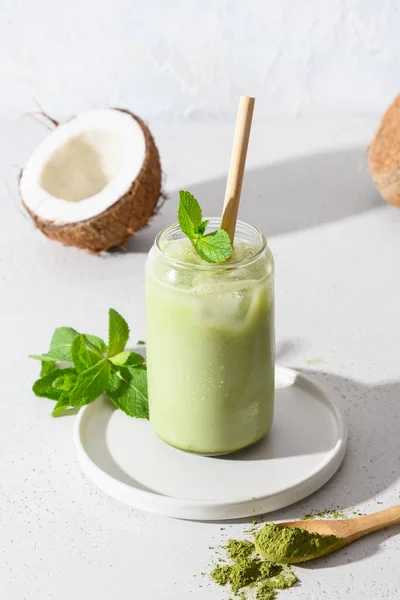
(288, 545)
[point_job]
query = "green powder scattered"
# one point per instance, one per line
(240, 574)
(244, 572)
(269, 569)
(221, 574)
(285, 579)
(265, 592)
(247, 571)
(237, 549)
(315, 361)
(290, 545)
(326, 514)
(334, 513)
(281, 581)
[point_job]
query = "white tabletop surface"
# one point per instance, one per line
(337, 249)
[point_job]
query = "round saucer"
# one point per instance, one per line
(305, 447)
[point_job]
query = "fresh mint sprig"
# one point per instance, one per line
(215, 247)
(93, 368)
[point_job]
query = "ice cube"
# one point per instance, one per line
(224, 302)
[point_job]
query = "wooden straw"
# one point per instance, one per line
(236, 168)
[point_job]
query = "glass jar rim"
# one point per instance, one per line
(209, 266)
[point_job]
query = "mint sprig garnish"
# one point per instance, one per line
(215, 247)
(80, 354)
(118, 333)
(90, 384)
(94, 368)
(46, 387)
(60, 345)
(127, 388)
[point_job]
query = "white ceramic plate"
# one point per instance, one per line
(125, 459)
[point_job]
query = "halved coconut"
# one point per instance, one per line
(384, 155)
(95, 181)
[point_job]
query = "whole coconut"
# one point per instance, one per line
(384, 155)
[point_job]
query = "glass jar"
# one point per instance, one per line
(210, 342)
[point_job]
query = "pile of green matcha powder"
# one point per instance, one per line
(290, 545)
(247, 572)
(259, 569)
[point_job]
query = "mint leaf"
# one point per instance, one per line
(42, 357)
(127, 359)
(44, 388)
(214, 247)
(61, 405)
(90, 384)
(80, 355)
(189, 214)
(127, 388)
(118, 333)
(200, 229)
(60, 345)
(65, 382)
(61, 349)
(47, 367)
(96, 347)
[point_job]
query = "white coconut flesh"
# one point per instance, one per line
(85, 166)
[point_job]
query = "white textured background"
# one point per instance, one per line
(191, 59)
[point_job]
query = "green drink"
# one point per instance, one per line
(210, 343)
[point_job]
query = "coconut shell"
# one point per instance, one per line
(384, 155)
(113, 227)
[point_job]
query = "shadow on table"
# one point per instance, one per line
(371, 464)
(372, 461)
(282, 197)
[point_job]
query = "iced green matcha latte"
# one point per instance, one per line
(210, 342)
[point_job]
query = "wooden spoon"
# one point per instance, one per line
(347, 530)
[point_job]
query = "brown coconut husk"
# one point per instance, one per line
(116, 225)
(384, 155)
